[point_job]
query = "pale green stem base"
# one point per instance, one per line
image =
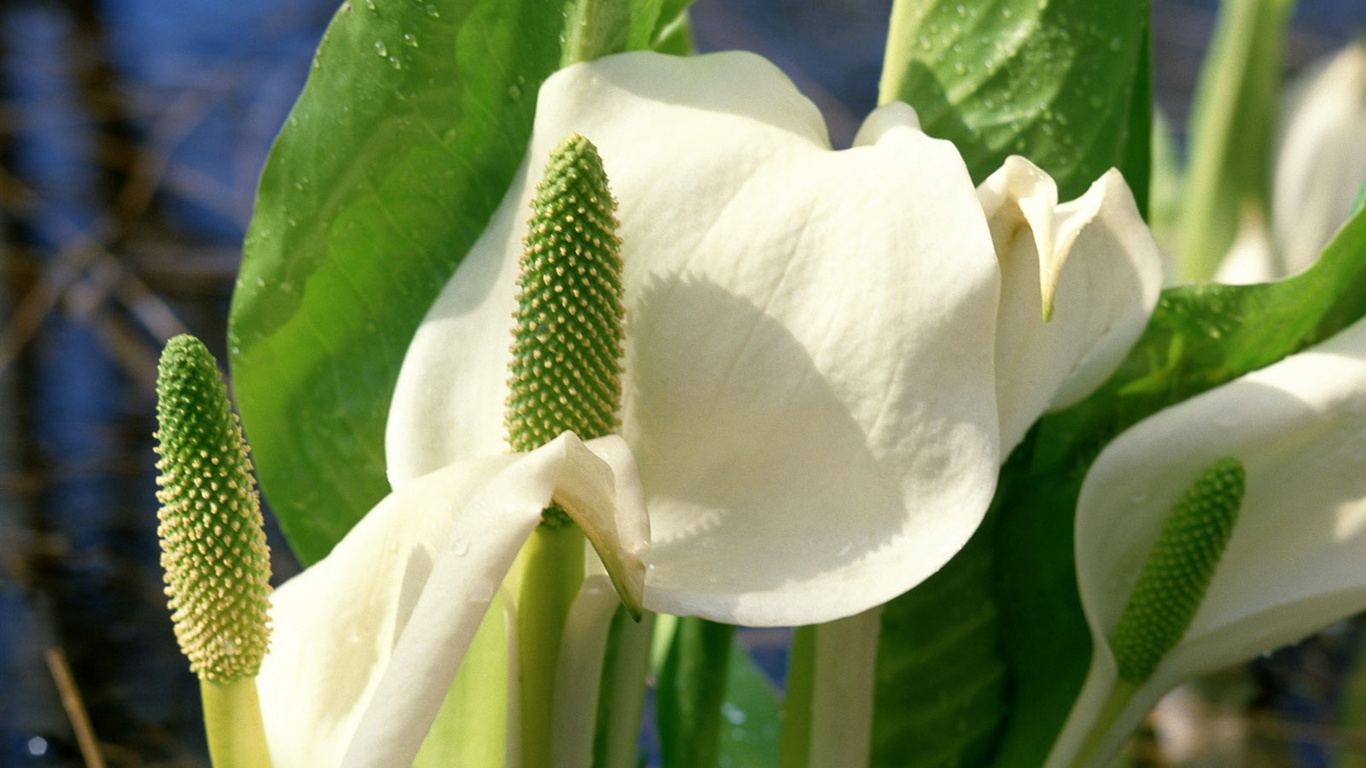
(1120, 695)
(551, 572)
(232, 722)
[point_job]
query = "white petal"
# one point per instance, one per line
(1293, 564)
(808, 384)
(1321, 158)
(1090, 266)
(367, 641)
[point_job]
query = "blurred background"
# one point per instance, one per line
(131, 136)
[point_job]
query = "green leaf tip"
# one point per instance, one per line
(567, 344)
(1173, 580)
(214, 554)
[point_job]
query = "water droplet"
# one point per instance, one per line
(733, 714)
(449, 135)
(514, 92)
(409, 40)
(959, 68)
(395, 63)
(380, 48)
(460, 547)
(370, 4)
(433, 12)
(1116, 43)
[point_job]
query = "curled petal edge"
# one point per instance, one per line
(1078, 283)
(382, 624)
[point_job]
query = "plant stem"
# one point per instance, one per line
(828, 710)
(596, 28)
(1110, 711)
(1231, 132)
(794, 740)
(552, 570)
(622, 700)
(232, 722)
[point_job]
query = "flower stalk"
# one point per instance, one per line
(565, 377)
(217, 565)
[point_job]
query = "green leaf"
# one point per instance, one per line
(414, 120)
(749, 731)
(1199, 337)
(1054, 80)
(941, 680)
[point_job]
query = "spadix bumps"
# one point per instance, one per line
(566, 369)
(213, 549)
(1178, 570)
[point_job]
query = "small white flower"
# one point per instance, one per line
(1294, 562)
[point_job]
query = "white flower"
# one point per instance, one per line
(1320, 169)
(815, 388)
(1294, 562)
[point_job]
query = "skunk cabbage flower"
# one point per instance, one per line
(1293, 562)
(814, 385)
(1321, 156)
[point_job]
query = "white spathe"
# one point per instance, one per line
(808, 382)
(1294, 562)
(367, 640)
(810, 390)
(1061, 332)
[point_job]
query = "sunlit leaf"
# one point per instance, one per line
(1061, 82)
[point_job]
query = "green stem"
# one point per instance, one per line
(906, 18)
(794, 741)
(552, 570)
(232, 722)
(842, 705)
(623, 696)
(1115, 703)
(596, 28)
(1232, 132)
(828, 710)
(692, 688)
